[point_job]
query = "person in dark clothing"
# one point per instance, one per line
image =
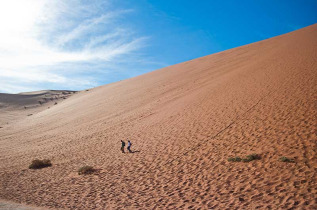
(129, 146)
(122, 146)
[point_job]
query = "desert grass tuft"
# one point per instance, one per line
(234, 159)
(286, 159)
(86, 170)
(248, 158)
(251, 157)
(38, 164)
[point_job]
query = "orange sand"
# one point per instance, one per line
(185, 121)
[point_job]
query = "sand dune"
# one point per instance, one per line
(15, 107)
(184, 121)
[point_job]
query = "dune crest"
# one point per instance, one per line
(184, 121)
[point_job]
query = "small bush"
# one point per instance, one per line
(251, 157)
(247, 159)
(38, 164)
(234, 159)
(286, 159)
(86, 170)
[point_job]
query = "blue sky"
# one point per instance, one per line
(73, 44)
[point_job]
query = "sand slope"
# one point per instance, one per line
(184, 122)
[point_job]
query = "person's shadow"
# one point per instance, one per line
(136, 151)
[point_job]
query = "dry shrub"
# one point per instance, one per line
(251, 157)
(247, 159)
(234, 159)
(286, 159)
(86, 170)
(38, 164)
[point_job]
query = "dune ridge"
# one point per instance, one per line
(184, 121)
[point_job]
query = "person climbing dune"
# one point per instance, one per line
(129, 146)
(122, 146)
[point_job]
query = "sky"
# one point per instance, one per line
(79, 44)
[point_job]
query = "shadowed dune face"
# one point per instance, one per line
(185, 121)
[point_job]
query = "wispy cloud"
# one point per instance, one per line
(47, 40)
(89, 26)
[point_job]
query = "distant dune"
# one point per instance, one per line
(17, 106)
(184, 122)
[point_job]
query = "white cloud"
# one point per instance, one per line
(81, 29)
(39, 36)
(33, 76)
